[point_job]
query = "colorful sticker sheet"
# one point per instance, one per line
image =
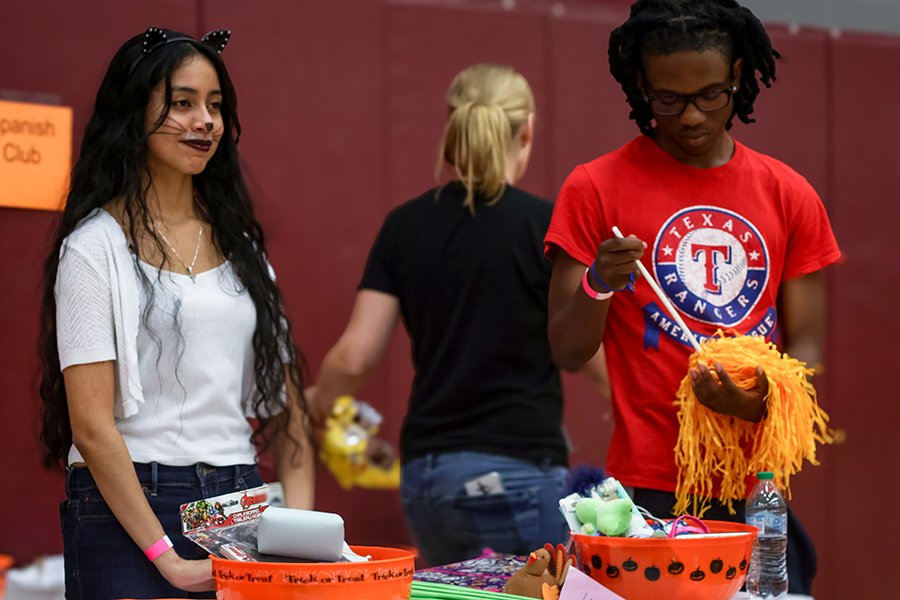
(486, 573)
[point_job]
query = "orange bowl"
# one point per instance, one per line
(685, 568)
(388, 576)
(5, 563)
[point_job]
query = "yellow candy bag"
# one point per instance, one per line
(347, 432)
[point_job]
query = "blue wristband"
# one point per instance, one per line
(629, 287)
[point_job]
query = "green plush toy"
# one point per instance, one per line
(608, 517)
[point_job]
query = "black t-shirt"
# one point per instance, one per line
(473, 296)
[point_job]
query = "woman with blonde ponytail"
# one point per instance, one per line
(484, 458)
(487, 103)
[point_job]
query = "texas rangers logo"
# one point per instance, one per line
(712, 263)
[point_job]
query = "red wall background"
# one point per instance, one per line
(342, 107)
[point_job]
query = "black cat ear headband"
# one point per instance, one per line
(155, 37)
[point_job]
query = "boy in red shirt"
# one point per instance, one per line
(720, 226)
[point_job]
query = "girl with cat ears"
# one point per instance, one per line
(162, 327)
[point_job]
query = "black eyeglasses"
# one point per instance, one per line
(674, 104)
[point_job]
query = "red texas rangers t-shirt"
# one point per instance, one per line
(721, 240)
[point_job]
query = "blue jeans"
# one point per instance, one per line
(103, 562)
(448, 525)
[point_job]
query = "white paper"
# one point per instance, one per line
(579, 586)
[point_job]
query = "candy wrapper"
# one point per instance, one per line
(226, 525)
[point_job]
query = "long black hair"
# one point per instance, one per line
(111, 165)
(662, 27)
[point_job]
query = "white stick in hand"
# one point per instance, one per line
(662, 297)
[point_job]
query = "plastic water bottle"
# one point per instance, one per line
(767, 511)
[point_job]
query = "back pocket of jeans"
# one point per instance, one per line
(510, 519)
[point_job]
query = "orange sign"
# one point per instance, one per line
(35, 155)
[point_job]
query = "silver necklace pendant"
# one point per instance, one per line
(188, 267)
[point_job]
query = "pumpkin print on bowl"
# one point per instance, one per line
(686, 568)
(676, 568)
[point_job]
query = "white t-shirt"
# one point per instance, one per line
(184, 378)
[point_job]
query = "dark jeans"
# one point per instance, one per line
(801, 554)
(103, 562)
(448, 525)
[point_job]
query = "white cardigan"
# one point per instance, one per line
(96, 255)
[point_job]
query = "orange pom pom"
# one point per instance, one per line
(715, 447)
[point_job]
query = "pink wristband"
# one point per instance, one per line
(158, 548)
(590, 292)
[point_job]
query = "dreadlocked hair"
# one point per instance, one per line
(663, 27)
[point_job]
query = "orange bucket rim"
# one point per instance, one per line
(714, 527)
(403, 554)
